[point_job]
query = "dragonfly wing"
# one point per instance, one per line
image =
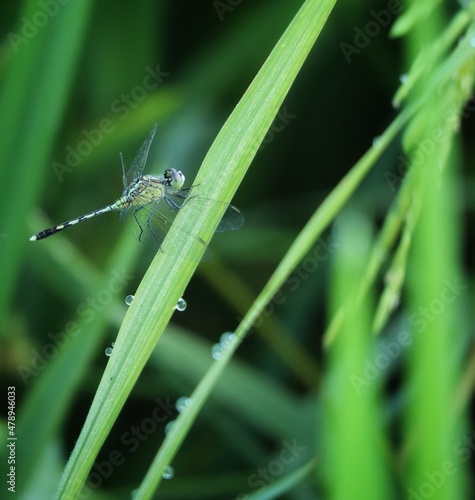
(140, 160)
(146, 224)
(150, 223)
(231, 220)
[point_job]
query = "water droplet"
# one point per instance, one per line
(182, 403)
(169, 426)
(217, 351)
(129, 299)
(227, 339)
(472, 42)
(109, 350)
(404, 78)
(168, 472)
(181, 304)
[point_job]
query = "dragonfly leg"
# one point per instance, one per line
(138, 222)
(156, 215)
(175, 206)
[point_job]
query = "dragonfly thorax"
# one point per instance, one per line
(145, 190)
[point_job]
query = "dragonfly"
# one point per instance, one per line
(150, 203)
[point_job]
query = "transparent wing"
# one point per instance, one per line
(232, 218)
(140, 160)
(150, 223)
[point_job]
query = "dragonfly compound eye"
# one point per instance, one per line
(176, 178)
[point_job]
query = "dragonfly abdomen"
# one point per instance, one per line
(118, 205)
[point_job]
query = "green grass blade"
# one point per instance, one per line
(352, 416)
(31, 113)
(435, 302)
(225, 165)
(285, 484)
(63, 362)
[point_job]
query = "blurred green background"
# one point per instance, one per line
(83, 81)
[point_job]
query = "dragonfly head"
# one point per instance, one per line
(174, 178)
